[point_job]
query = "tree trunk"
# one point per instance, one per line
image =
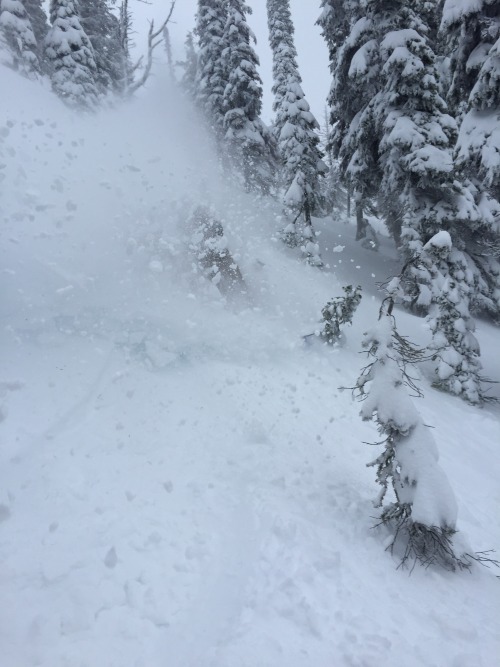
(307, 212)
(394, 227)
(360, 222)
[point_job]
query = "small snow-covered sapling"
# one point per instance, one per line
(422, 515)
(339, 312)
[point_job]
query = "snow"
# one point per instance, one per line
(433, 501)
(456, 10)
(441, 240)
(181, 481)
(480, 135)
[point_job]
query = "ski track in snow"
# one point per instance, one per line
(181, 482)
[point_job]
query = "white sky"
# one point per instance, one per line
(312, 51)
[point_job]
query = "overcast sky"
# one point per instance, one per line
(312, 51)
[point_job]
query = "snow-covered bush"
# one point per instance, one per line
(208, 245)
(423, 512)
(339, 312)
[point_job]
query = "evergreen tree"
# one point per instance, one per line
(472, 33)
(402, 138)
(454, 346)
(418, 189)
(334, 22)
(338, 312)
(394, 136)
(168, 50)
(423, 513)
(19, 37)
(71, 56)
(445, 272)
(249, 145)
(295, 128)
(190, 67)
(211, 77)
(469, 29)
(5, 56)
(102, 28)
(38, 19)
(209, 247)
(352, 40)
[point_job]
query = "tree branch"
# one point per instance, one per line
(152, 44)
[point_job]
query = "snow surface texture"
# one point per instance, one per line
(181, 482)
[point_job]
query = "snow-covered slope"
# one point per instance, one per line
(182, 483)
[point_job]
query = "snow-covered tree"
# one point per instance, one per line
(352, 38)
(423, 512)
(249, 145)
(394, 136)
(168, 50)
(469, 29)
(19, 37)
(334, 22)
(419, 193)
(5, 56)
(208, 245)
(446, 280)
(295, 128)
(102, 28)
(472, 32)
(71, 56)
(189, 66)
(38, 19)
(339, 312)
(211, 77)
(454, 346)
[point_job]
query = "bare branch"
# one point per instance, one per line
(152, 44)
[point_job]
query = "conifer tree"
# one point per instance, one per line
(471, 31)
(339, 312)
(19, 37)
(454, 346)
(5, 56)
(423, 514)
(295, 128)
(209, 247)
(418, 189)
(250, 147)
(352, 41)
(168, 50)
(190, 66)
(393, 133)
(211, 77)
(102, 28)
(334, 21)
(71, 56)
(38, 19)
